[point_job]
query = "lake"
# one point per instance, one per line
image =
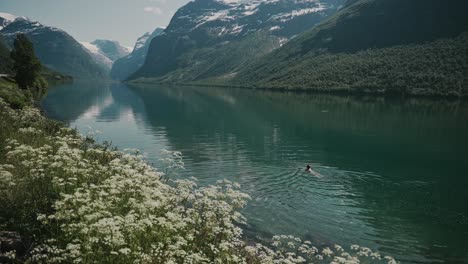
(392, 173)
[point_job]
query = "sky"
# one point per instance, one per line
(87, 20)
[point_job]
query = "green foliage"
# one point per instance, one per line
(10, 92)
(55, 49)
(19, 208)
(54, 76)
(6, 63)
(435, 68)
(26, 65)
(374, 46)
(216, 64)
(371, 24)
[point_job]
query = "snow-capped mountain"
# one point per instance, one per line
(96, 54)
(6, 19)
(123, 67)
(111, 48)
(106, 52)
(231, 17)
(213, 24)
(54, 47)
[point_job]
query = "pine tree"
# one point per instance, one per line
(26, 64)
(6, 64)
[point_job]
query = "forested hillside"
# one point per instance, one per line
(384, 46)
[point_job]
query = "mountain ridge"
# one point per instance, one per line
(105, 52)
(208, 24)
(64, 54)
(123, 67)
(365, 48)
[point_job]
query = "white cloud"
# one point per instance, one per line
(153, 9)
(159, 1)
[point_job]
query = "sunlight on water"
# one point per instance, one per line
(390, 174)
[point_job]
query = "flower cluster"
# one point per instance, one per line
(86, 203)
(289, 249)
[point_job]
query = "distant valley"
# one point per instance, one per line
(127, 65)
(106, 52)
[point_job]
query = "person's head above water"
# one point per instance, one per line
(308, 167)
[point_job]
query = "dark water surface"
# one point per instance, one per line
(394, 173)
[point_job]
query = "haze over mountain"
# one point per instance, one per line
(415, 47)
(124, 67)
(106, 52)
(215, 38)
(55, 48)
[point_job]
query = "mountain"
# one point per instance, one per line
(6, 19)
(374, 46)
(111, 48)
(125, 66)
(106, 52)
(201, 36)
(55, 48)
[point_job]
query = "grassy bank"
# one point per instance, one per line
(74, 201)
(10, 92)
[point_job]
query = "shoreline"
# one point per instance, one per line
(78, 180)
(337, 92)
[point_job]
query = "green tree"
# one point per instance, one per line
(26, 65)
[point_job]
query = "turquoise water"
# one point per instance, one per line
(392, 174)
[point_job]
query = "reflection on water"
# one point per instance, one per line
(393, 171)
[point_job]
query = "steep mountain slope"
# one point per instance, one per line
(123, 67)
(55, 48)
(401, 46)
(105, 52)
(209, 26)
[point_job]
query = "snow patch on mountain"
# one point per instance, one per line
(96, 54)
(105, 52)
(90, 47)
(8, 17)
(240, 17)
(144, 41)
(295, 13)
(219, 15)
(24, 25)
(5, 19)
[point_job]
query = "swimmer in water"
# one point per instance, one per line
(309, 170)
